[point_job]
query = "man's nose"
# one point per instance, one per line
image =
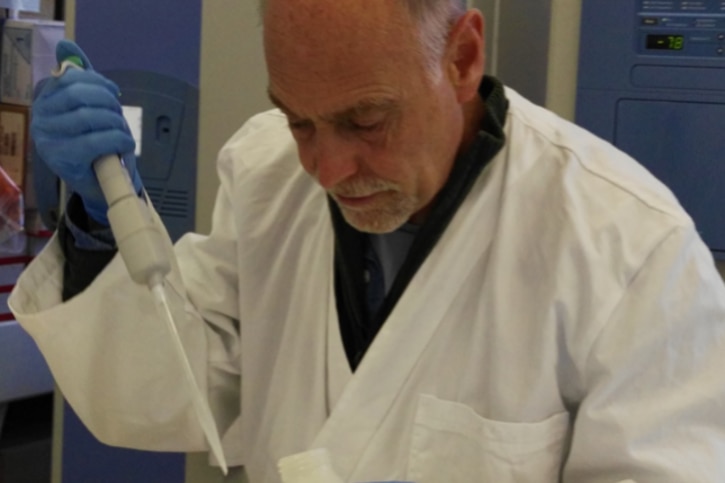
(333, 159)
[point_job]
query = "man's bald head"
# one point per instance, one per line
(433, 19)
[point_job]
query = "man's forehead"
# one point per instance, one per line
(322, 5)
(380, 12)
(309, 44)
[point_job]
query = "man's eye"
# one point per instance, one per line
(299, 125)
(367, 126)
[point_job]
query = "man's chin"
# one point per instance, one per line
(374, 222)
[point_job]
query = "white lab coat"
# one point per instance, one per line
(569, 316)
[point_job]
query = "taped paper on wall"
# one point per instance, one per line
(22, 5)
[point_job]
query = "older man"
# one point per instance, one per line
(410, 265)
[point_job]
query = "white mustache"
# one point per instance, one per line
(363, 187)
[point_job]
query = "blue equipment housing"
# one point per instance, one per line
(152, 51)
(652, 81)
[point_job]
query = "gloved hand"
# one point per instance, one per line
(76, 119)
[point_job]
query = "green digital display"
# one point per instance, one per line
(665, 42)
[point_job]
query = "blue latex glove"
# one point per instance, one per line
(76, 119)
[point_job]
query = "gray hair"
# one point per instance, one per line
(435, 18)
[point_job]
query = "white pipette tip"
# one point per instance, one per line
(201, 407)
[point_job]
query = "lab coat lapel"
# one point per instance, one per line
(373, 388)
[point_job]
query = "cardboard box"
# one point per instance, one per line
(16, 161)
(14, 141)
(28, 55)
(13, 161)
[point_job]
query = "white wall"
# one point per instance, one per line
(563, 57)
(233, 87)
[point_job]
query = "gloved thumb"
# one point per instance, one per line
(66, 49)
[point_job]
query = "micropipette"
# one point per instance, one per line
(141, 244)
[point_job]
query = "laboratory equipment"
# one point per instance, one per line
(646, 75)
(652, 82)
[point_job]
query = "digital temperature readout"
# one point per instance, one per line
(665, 42)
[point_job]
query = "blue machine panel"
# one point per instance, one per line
(675, 148)
(169, 126)
(87, 460)
(151, 50)
(24, 372)
(652, 82)
(161, 36)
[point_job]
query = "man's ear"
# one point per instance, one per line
(466, 55)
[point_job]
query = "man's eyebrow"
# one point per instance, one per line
(365, 106)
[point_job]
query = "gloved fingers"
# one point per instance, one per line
(76, 88)
(71, 159)
(73, 76)
(77, 122)
(68, 48)
(102, 143)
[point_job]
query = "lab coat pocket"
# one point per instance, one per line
(451, 443)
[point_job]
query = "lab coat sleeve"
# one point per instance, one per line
(112, 356)
(654, 408)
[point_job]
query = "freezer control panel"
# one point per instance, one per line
(681, 28)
